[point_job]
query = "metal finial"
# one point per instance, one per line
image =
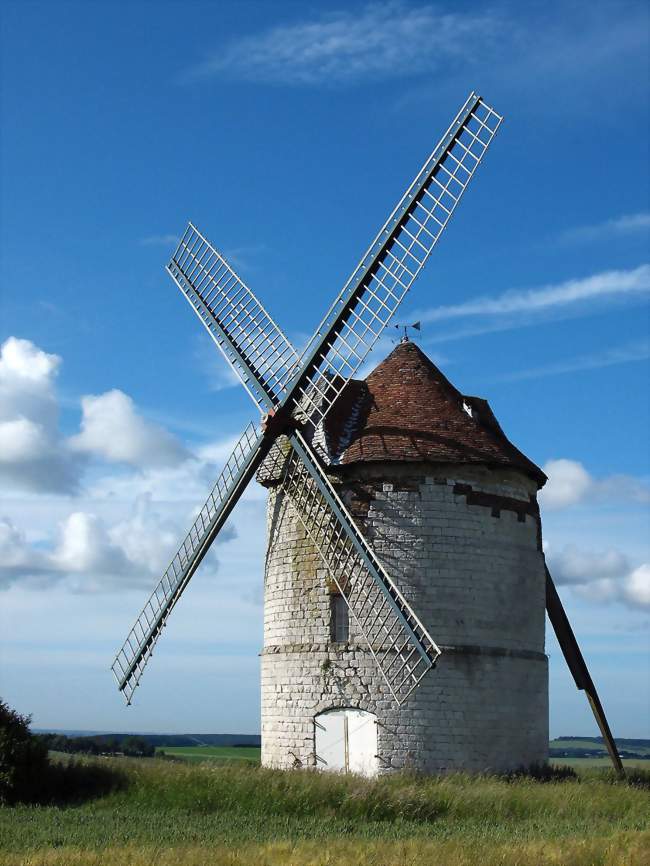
(405, 338)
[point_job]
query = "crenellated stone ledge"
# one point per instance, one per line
(450, 649)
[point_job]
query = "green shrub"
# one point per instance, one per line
(542, 773)
(72, 781)
(23, 758)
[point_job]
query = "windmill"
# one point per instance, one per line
(295, 394)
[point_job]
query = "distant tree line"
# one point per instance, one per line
(100, 744)
(620, 741)
(594, 747)
(595, 753)
(162, 740)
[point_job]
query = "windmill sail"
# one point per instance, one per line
(402, 647)
(136, 650)
(371, 296)
(281, 383)
(253, 344)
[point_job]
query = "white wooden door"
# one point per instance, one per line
(346, 740)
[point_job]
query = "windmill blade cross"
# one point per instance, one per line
(282, 385)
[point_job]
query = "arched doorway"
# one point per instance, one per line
(346, 740)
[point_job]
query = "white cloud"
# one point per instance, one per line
(623, 226)
(637, 588)
(97, 544)
(112, 429)
(569, 483)
(90, 555)
(85, 548)
(33, 456)
(347, 47)
(17, 558)
(21, 440)
(22, 361)
(189, 482)
(601, 576)
(83, 557)
(575, 566)
(632, 352)
(148, 540)
(160, 240)
(605, 286)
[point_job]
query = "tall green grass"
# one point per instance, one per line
(255, 814)
(622, 849)
(206, 789)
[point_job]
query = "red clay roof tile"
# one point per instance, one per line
(407, 410)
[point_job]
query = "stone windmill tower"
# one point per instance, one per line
(399, 515)
(449, 505)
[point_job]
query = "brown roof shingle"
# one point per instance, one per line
(407, 410)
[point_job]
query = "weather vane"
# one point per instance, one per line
(416, 327)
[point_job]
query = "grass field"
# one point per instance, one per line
(220, 754)
(603, 763)
(251, 755)
(150, 811)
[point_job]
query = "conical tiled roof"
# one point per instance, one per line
(407, 410)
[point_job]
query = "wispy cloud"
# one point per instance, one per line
(159, 241)
(509, 44)
(213, 365)
(623, 226)
(637, 351)
(565, 49)
(605, 286)
(245, 257)
(348, 47)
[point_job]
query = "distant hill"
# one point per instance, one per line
(203, 739)
(69, 732)
(161, 740)
(590, 747)
(565, 746)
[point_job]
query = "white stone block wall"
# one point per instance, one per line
(470, 565)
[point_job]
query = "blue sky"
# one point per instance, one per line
(286, 132)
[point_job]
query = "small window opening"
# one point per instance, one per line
(339, 619)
